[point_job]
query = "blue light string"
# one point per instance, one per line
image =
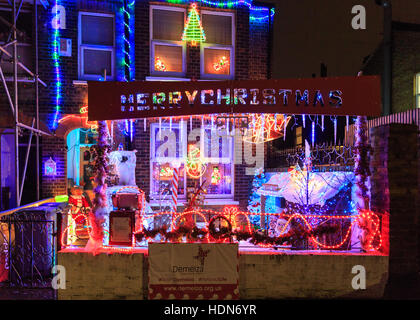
(255, 11)
(56, 63)
(128, 53)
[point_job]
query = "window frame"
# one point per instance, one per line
(152, 159)
(153, 43)
(81, 47)
(231, 141)
(231, 48)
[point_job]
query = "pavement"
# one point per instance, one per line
(397, 288)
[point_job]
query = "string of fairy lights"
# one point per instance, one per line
(232, 214)
(56, 64)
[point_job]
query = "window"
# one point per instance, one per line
(24, 37)
(417, 90)
(96, 46)
(167, 51)
(168, 147)
(218, 160)
(218, 52)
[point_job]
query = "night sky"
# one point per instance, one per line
(307, 33)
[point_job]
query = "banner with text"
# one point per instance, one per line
(339, 96)
(193, 271)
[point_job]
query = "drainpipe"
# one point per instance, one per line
(387, 71)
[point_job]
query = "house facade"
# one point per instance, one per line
(119, 40)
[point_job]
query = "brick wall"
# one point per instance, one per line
(124, 276)
(394, 189)
(53, 185)
(250, 63)
(73, 97)
(406, 63)
(101, 277)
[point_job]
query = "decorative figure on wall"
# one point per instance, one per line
(159, 64)
(223, 63)
(124, 166)
(195, 165)
(216, 176)
(50, 167)
(77, 201)
(79, 207)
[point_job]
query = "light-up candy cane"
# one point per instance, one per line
(174, 189)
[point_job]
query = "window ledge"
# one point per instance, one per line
(157, 203)
(80, 82)
(220, 202)
(156, 78)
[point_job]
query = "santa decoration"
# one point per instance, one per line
(77, 201)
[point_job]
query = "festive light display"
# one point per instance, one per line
(239, 227)
(56, 64)
(70, 230)
(257, 14)
(50, 167)
(193, 30)
(127, 20)
(159, 64)
(125, 42)
(254, 201)
(195, 165)
(266, 127)
(174, 187)
(166, 172)
(216, 177)
(92, 125)
(232, 214)
(223, 63)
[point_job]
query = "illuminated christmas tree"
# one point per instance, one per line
(193, 30)
(254, 201)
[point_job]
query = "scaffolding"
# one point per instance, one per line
(13, 100)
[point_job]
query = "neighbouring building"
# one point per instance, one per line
(405, 66)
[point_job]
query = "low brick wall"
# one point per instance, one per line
(309, 276)
(104, 276)
(261, 276)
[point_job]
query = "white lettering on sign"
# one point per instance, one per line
(59, 17)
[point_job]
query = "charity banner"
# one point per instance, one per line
(193, 271)
(338, 96)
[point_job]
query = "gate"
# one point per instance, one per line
(28, 248)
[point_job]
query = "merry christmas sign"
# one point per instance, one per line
(337, 96)
(193, 271)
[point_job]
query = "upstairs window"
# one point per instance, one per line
(417, 90)
(218, 52)
(96, 46)
(167, 51)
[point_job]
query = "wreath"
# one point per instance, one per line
(222, 232)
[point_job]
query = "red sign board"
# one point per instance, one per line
(315, 96)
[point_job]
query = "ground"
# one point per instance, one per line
(399, 289)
